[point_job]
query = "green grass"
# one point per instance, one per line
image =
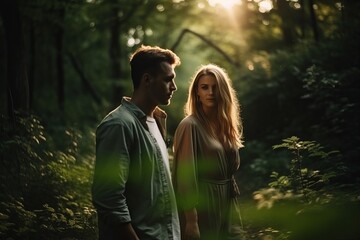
(297, 221)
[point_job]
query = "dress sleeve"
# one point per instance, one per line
(111, 174)
(185, 165)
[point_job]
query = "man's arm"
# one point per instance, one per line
(126, 231)
(110, 177)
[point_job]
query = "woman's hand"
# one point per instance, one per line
(192, 231)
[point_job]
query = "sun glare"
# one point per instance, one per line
(265, 6)
(227, 4)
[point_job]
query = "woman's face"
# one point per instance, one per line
(207, 91)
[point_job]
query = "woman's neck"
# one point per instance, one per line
(210, 114)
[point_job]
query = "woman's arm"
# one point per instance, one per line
(191, 224)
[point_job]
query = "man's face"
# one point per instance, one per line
(163, 85)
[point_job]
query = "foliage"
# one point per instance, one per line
(257, 163)
(302, 93)
(308, 89)
(303, 180)
(45, 189)
(305, 191)
(333, 97)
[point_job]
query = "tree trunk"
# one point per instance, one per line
(115, 55)
(59, 44)
(17, 82)
(32, 63)
(303, 19)
(313, 21)
(285, 13)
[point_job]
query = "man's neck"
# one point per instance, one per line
(145, 105)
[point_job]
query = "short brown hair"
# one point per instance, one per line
(147, 59)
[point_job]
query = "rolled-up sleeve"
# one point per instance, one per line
(111, 173)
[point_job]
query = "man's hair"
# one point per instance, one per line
(147, 59)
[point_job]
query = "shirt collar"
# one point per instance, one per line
(159, 115)
(158, 112)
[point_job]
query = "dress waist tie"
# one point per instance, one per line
(234, 189)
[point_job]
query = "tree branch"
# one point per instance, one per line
(86, 83)
(207, 41)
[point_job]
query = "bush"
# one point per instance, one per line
(308, 201)
(45, 190)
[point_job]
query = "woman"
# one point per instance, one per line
(206, 156)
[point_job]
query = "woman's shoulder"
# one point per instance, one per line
(189, 124)
(188, 127)
(190, 120)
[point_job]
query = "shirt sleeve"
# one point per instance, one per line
(111, 173)
(185, 166)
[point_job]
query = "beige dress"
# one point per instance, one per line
(203, 178)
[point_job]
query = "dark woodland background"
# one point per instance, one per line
(294, 64)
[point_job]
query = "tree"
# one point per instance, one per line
(17, 81)
(59, 45)
(115, 50)
(313, 21)
(287, 25)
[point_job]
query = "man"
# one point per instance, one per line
(132, 190)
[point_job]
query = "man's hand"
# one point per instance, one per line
(127, 232)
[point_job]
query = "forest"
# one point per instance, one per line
(64, 64)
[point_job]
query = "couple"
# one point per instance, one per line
(134, 192)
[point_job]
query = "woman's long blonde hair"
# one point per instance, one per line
(230, 131)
